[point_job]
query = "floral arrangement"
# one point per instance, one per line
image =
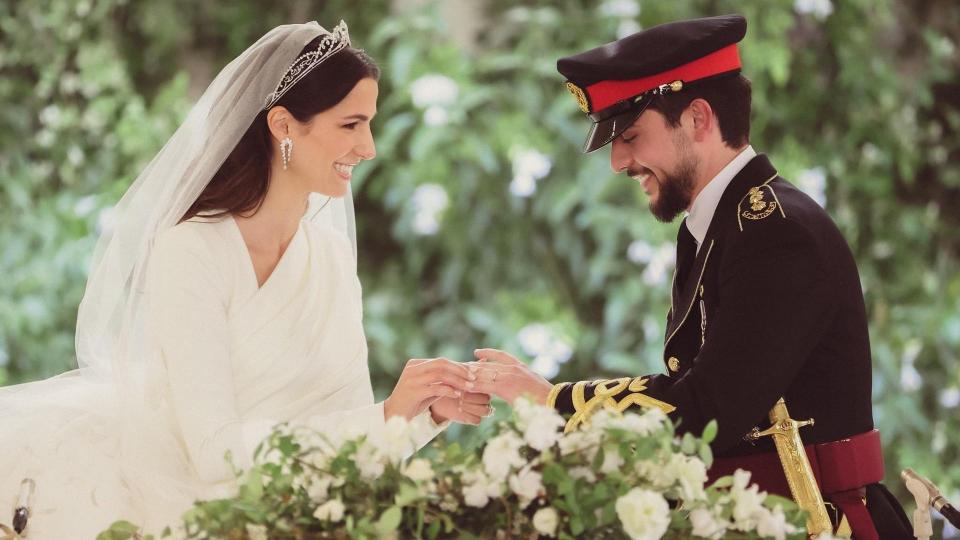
(621, 476)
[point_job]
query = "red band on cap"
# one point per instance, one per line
(605, 93)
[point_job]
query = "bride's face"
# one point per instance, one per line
(327, 148)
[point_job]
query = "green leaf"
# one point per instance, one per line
(709, 432)
(389, 520)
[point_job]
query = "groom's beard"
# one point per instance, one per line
(676, 189)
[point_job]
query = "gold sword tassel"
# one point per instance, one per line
(803, 484)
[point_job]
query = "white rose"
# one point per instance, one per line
(369, 461)
(478, 488)
(642, 424)
(747, 501)
(540, 425)
(690, 473)
(527, 484)
(705, 524)
(580, 441)
(257, 532)
(418, 470)
(396, 442)
(545, 521)
(501, 454)
(582, 472)
(645, 514)
(319, 488)
(773, 524)
(331, 510)
(612, 461)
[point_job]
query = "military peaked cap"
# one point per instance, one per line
(616, 82)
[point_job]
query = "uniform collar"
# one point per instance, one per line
(704, 206)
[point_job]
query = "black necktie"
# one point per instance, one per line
(686, 255)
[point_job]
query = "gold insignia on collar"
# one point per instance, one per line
(759, 208)
(580, 95)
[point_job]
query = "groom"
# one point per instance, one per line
(766, 297)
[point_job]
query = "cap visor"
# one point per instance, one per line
(605, 131)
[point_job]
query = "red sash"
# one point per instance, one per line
(842, 468)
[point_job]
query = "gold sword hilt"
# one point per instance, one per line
(796, 466)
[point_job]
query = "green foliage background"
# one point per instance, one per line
(867, 96)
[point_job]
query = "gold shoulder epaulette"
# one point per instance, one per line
(754, 206)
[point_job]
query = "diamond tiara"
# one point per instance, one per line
(330, 43)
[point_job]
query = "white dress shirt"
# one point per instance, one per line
(703, 207)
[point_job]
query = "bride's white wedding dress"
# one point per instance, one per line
(229, 360)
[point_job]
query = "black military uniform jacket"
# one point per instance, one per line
(771, 306)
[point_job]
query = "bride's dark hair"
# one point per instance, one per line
(240, 185)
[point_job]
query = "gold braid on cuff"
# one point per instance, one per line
(554, 393)
(604, 394)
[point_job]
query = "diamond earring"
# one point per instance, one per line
(286, 151)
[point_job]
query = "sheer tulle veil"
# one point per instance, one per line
(118, 382)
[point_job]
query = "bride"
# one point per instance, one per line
(224, 300)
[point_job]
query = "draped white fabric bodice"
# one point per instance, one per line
(229, 359)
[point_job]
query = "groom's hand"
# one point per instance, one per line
(470, 408)
(501, 374)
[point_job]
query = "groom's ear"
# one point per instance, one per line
(279, 122)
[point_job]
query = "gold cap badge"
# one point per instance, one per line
(580, 95)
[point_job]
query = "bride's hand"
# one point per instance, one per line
(502, 375)
(423, 382)
(471, 408)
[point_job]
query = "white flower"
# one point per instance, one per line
(319, 489)
(50, 115)
(501, 454)
(475, 495)
(581, 441)
(369, 461)
(534, 338)
(813, 182)
(528, 167)
(540, 425)
(418, 470)
(396, 441)
(705, 524)
(545, 521)
(627, 27)
(429, 201)
(256, 532)
(644, 514)
(546, 366)
(523, 186)
(84, 206)
(582, 472)
(649, 421)
(660, 264)
(527, 484)
(690, 473)
(612, 461)
(747, 501)
(820, 9)
(331, 510)
(773, 524)
(639, 252)
(478, 488)
(435, 115)
(532, 163)
(910, 379)
(434, 89)
(620, 8)
(950, 397)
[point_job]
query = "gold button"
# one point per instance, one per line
(674, 364)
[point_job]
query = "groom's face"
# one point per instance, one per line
(661, 158)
